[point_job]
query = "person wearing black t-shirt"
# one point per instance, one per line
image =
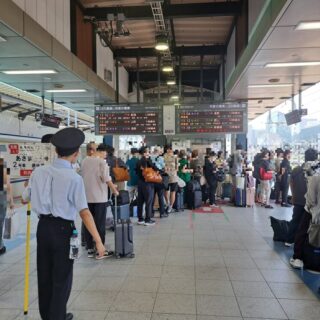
(145, 189)
(285, 172)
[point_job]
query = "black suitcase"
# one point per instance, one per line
(122, 198)
(123, 212)
(179, 202)
(193, 185)
(194, 199)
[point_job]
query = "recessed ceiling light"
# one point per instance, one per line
(167, 67)
(308, 25)
(292, 64)
(28, 72)
(174, 97)
(278, 85)
(66, 90)
(23, 72)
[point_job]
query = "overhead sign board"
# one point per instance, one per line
(293, 117)
(128, 119)
(212, 118)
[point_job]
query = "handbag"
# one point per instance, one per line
(314, 234)
(120, 173)
(181, 183)
(11, 225)
(265, 175)
(203, 180)
(151, 175)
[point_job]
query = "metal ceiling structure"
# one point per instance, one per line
(198, 32)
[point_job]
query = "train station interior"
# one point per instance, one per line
(225, 91)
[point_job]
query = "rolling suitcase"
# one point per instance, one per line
(311, 257)
(240, 199)
(122, 199)
(226, 190)
(123, 237)
(179, 202)
(194, 199)
(250, 196)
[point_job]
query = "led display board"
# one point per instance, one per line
(212, 118)
(128, 119)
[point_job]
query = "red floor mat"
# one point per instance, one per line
(208, 210)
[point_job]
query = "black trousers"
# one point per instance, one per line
(54, 267)
(98, 211)
(277, 188)
(145, 195)
(212, 190)
(284, 188)
(159, 190)
(297, 215)
(301, 235)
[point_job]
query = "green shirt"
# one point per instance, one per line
(185, 176)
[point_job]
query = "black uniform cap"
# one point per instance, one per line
(68, 141)
(46, 138)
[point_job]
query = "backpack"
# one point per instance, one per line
(220, 175)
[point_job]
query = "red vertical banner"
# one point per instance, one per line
(14, 148)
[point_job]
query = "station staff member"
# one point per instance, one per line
(57, 194)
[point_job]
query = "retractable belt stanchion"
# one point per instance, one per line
(27, 267)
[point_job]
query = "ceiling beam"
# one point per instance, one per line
(194, 94)
(169, 11)
(9, 107)
(217, 49)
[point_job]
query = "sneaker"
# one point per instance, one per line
(149, 223)
(164, 215)
(213, 206)
(288, 244)
(286, 205)
(140, 222)
(169, 210)
(91, 253)
(107, 254)
(268, 206)
(296, 263)
(3, 250)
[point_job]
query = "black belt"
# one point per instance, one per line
(51, 216)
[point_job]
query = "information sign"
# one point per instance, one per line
(128, 119)
(213, 118)
(293, 117)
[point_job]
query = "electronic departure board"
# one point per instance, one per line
(213, 118)
(128, 119)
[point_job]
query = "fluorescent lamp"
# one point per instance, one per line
(278, 85)
(308, 25)
(12, 72)
(66, 90)
(175, 97)
(292, 64)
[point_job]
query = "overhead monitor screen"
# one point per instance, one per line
(213, 118)
(293, 117)
(128, 119)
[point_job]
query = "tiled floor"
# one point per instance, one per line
(187, 267)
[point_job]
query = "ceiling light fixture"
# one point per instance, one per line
(175, 97)
(24, 72)
(171, 82)
(66, 90)
(292, 64)
(167, 67)
(161, 43)
(279, 85)
(308, 25)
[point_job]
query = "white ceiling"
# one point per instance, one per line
(283, 44)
